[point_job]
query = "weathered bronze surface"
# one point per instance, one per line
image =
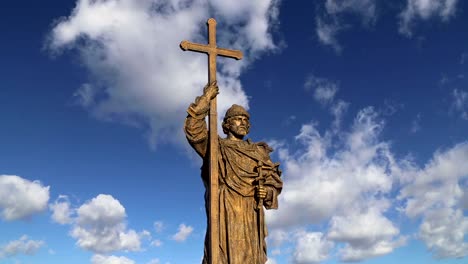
(240, 178)
(213, 51)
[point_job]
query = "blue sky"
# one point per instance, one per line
(364, 101)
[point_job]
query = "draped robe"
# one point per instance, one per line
(239, 236)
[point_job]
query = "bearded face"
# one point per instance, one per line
(239, 126)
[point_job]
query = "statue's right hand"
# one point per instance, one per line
(211, 90)
(202, 103)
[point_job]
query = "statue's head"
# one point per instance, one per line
(236, 122)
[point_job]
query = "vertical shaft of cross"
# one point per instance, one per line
(213, 51)
(212, 55)
(213, 126)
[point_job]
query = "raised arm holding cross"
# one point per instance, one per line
(230, 171)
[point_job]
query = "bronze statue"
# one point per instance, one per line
(239, 177)
(248, 181)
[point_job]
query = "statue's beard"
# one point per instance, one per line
(239, 131)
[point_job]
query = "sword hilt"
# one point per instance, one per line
(260, 181)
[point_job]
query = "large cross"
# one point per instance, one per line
(213, 51)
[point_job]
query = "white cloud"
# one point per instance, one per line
(438, 184)
(24, 245)
(358, 180)
(464, 199)
(21, 198)
(327, 33)
(332, 20)
(259, 15)
(154, 261)
(101, 259)
(183, 233)
(381, 247)
(85, 95)
(329, 23)
(436, 193)
(277, 237)
(425, 10)
(444, 233)
(138, 74)
(61, 211)
(314, 174)
(311, 248)
(145, 234)
(276, 252)
(354, 180)
(271, 261)
(361, 229)
(460, 103)
(100, 226)
(338, 110)
(367, 235)
(325, 92)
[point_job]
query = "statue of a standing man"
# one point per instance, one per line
(248, 181)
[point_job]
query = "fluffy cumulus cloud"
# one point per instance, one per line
(100, 227)
(352, 180)
(21, 198)
(183, 233)
(22, 246)
(276, 237)
(311, 248)
(444, 233)
(101, 259)
(366, 235)
(346, 181)
(425, 10)
(138, 74)
(437, 193)
(61, 210)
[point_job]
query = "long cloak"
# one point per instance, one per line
(240, 224)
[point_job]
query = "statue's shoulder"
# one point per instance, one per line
(261, 145)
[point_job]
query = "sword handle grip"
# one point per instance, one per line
(260, 181)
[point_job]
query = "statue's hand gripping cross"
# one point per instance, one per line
(213, 51)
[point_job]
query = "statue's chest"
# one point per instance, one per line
(244, 158)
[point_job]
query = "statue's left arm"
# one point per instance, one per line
(273, 183)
